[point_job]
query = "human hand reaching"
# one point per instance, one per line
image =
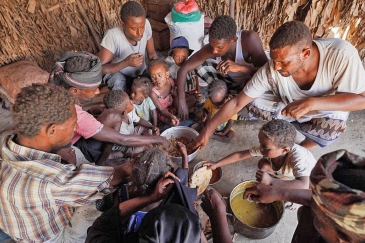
(298, 108)
(260, 194)
(263, 177)
(163, 186)
(211, 165)
(135, 60)
(183, 111)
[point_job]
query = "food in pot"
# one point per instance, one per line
(174, 148)
(258, 215)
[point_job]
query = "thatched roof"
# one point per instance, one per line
(41, 30)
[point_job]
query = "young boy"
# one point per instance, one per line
(217, 93)
(118, 105)
(177, 56)
(283, 159)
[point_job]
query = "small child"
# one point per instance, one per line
(163, 92)
(282, 160)
(140, 92)
(117, 102)
(177, 55)
(217, 93)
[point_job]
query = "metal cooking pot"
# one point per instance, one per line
(178, 132)
(247, 230)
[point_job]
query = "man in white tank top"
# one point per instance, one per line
(222, 43)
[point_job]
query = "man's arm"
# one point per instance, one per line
(108, 134)
(224, 114)
(230, 159)
(193, 62)
(251, 41)
(215, 208)
(106, 56)
(336, 102)
(268, 194)
(151, 52)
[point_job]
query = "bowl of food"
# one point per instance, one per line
(254, 220)
(216, 174)
(185, 135)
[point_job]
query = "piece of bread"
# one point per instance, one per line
(200, 179)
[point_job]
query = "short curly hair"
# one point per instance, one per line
(144, 83)
(131, 9)
(115, 98)
(147, 168)
(223, 27)
(282, 133)
(217, 86)
(39, 105)
(294, 34)
(157, 62)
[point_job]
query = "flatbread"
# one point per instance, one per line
(200, 179)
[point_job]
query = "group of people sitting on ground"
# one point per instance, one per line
(51, 190)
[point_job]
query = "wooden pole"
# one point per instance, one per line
(89, 25)
(231, 8)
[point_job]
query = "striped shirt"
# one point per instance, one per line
(38, 193)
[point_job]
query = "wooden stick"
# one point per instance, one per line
(89, 25)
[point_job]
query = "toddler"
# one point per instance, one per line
(178, 54)
(163, 92)
(140, 92)
(284, 163)
(217, 97)
(118, 103)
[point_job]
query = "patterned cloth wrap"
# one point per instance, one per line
(344, 205)
(86, 79)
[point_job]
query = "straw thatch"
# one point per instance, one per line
(41, 30)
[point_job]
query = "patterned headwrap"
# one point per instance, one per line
(85, 79)
(344, 205)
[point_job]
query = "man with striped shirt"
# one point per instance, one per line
(39, 194)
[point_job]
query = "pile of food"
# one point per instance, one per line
(174, 148)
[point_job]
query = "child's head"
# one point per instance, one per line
(276, 138)
(217, 92)
(118, 99)
(180, 50)
(147, 168)
(141, 89)
(159, 72)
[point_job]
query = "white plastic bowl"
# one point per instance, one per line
(178, 132)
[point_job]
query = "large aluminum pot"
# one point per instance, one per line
(178, 132)
(247, 230)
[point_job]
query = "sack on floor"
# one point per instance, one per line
(15, 76)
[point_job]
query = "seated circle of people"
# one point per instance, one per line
(88, 175)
